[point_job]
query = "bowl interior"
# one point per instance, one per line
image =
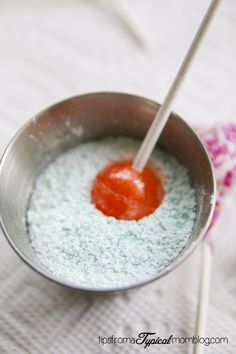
(89, 117)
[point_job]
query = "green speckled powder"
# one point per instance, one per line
(78, 243)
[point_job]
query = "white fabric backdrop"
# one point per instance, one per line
(54, 49)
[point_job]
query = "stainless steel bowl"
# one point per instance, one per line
(89, 117)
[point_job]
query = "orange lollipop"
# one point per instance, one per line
(125, 193)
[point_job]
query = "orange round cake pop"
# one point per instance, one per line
(125, 193)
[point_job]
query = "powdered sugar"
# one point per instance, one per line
(78, 243)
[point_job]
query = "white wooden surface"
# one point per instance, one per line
(53, 49)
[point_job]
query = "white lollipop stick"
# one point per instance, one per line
(164, 112)
(203, 295)
(132, 23)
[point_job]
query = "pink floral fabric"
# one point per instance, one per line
(220, 142)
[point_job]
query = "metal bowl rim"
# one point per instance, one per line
(177, 261)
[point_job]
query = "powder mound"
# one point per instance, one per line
(79, 244)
